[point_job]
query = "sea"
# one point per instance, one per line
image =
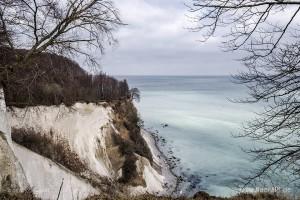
(199, 117)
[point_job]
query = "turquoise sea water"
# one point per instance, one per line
(201, 120)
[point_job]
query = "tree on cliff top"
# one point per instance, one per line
(268, 35)
(2, 37)
(70, 28)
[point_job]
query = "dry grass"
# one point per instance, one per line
(259, 196)
(26, 195)
(127, 118)
(201, 196)
(56, 149)
(130, 140)
(59, 151)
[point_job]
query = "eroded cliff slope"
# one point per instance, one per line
(71, 134)
(103, 145)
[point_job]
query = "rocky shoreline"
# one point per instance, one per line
(186, 184)
(170, 161)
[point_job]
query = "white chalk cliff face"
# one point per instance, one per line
(12, 178)
(82, 125)
(22, 169)
(88, 129)
(46, 177)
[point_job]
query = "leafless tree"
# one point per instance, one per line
(135, 94)
(267, 32)
(72, 28)
(69, 27)
(2, 38)
(249, 25)
(275, 81)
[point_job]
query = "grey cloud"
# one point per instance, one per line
(155, 42)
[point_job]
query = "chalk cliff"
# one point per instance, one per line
(90, 131)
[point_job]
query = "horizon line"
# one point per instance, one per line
(168, 75)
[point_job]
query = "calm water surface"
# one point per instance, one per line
(202, 119)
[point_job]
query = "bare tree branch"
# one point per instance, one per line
(50, 25)
(251, 25)
(272, 60)
(71, 28)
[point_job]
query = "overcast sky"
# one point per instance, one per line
(156, 42)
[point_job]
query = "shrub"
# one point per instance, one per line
(56, 149)
(129, 172)
(126, 118)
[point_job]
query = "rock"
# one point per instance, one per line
(164, 125)
(201, 196)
